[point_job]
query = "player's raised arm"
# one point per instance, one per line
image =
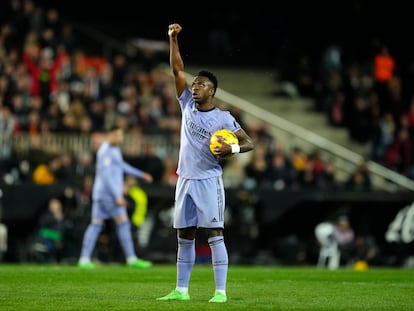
(176, 62)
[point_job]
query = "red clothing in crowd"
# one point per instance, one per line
(42, 72)
(384, 66)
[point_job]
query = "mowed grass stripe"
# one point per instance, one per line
(116, 287)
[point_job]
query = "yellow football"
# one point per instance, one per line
(228, 137)
(360, 265)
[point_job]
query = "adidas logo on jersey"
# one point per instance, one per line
(214, 219)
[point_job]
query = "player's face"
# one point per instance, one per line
(116, 137)
(201, 89)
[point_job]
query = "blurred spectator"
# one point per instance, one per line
(96, 115)
(82, 214)
(280, 172)
(233, 173)
(170, 173)
(3, 240)
(256, 169)
(307, 179)
(43, 66)
(83, 196)
(345, 237)
(84, 165)
(329, 254)
(7, 128)
(298, 158)
(65, 171)
(303, 76)
(54, 235)
(48, 40)
(336, 109)
(111, 114)
(409, 113)
(243, 223)
(360, 123)
(332, 58)
(383, 136)
(137, 200)
(53, 21)
(150, 160)
(218, 37)
(384, 69)
(20, 109)
(68, 39)
(328, 180)
(360, 179)
(33, 126)
(36, 153)
(366, 249)
(120, 71)
(399, 156)
(46, 173)
(395, 102)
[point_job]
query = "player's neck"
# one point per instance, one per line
(205, 107)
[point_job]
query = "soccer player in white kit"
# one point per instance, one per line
(199, 194)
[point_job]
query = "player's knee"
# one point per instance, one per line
(187, 233)
(125, 223)
(97, 226)
(97, 221)
(120, 219)
(213, 232)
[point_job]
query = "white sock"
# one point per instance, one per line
(84, 260)
(131, 259)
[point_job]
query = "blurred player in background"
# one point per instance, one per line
(109, 202)
(199, 194)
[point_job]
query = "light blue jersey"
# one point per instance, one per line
(199, 194)
(196, 160)
(110, 170)
(107, 188)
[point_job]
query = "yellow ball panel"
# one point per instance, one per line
(228, 137)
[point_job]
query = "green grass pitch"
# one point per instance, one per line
(116, 287)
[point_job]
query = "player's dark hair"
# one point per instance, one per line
(113, 128)
(210, 76)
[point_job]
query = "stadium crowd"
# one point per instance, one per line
(50, 84)
(371, 96)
